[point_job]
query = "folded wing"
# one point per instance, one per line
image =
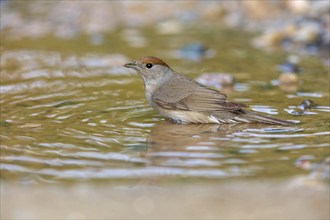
(193, 97)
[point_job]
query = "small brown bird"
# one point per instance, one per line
(184, 100)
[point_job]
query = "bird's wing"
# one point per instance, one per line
(192, 97)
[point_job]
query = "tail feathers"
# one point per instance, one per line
(253, 117)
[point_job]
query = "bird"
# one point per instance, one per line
(184, 100)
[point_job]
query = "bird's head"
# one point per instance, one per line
(150, 68)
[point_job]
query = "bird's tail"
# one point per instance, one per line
(254, 117)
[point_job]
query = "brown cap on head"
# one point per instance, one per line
(152, 60)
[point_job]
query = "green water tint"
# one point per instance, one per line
(84, 121)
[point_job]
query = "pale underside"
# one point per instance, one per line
(184, 117)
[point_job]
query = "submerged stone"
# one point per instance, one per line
(307, 104)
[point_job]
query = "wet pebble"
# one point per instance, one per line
(318, 170)
(194, 52)
(288, 78)
(216, 80)
(290, 65)
(304, 108)
(299, 7)
(321, 170)
(307, 104)
(304, 162)
(305, 35)
(169, 27)
(288, 82)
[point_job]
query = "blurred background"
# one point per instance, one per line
(77, 133)
(299, 25)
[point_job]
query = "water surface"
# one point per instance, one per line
(83, 116)
(71, 113)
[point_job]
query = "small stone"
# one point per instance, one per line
(307, 104)
(288, 78)
(321, 170)
(288, 67)
(169, 27)
(194, 52)
(269, 40)
(304, 162)
(299, 7)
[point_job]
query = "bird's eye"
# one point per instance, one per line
(149, 65)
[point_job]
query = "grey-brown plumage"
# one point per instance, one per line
(184, 100)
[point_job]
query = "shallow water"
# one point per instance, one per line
(83, 116)
(72, 113)
(78, 140)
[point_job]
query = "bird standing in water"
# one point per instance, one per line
(184, 100)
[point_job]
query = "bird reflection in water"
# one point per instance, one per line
(191, 145)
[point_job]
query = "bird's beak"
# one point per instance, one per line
(132, 65)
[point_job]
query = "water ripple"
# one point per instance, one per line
(185, 154)
(248, 134)
(109, 156)
(84, 118)
(134, 173)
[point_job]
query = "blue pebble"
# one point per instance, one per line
(193, 51)
(288, 68)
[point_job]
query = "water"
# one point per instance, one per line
(73, 117)
(77, 116)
